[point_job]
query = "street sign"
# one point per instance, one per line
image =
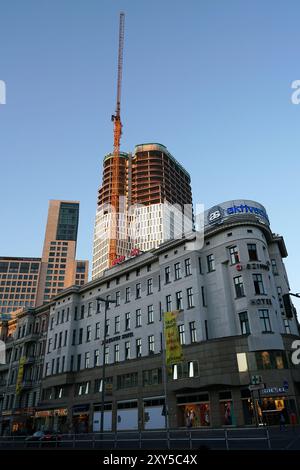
(252, 388)
(256, 379)
(108, 389)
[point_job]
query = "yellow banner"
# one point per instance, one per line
(20, 375)
(173, 347)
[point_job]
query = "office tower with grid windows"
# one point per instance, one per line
(19, 279)
(155, 204)
(59, 268)
(30, 282)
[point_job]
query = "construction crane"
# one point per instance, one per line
(116, 118)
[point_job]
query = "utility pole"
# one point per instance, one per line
(106, 303)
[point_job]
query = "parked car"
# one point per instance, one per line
(43, 438)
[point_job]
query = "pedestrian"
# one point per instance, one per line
(293, 420)
(281, 422)
(188, 420)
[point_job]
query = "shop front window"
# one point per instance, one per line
(271, 360)
(226, 409)
(196, 415)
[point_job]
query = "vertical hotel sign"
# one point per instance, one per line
(173, 347)
(20, 375)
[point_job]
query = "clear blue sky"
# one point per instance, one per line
(210, 79)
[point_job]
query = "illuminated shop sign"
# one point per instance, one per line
(274, 391)
(218, 213)
(120, 259)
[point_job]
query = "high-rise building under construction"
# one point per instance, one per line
(155, 204)
(145, 197)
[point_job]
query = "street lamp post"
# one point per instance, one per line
(295, 295)
(106, 302)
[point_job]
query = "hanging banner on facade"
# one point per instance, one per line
(172, 341)
(20, 375)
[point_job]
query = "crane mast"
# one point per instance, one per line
(116, 118)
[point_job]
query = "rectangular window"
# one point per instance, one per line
(265, 320)
(87, 360)
(138, 347)
(151, 344)
(252, 252)
(57, 365)
(193, 333)
(185, 370)
(203, 296)
(108, 299)
(242, 362)
(188, 267)
(150, 314)
(234, 255)
(75, 313)
(127, 350)
(167, 275)
(168, 303)
(138, 291)
(258, 284)
(88, 333)
(117, 353)
(118, 297)
(138, 317)
(127, 321)
(97, 331)
(90, 308)
(239, 286)
(190, 297)
(106, 355)
(274, 267)
(181, 334)
(126, 381)
(177, 271)
(96, 358)
(60, 339)
(98, 309)
(127, 294)
(80, 336)
(55, 341)
(152, 377)
(117, 324)
(149, 286)
(78, 362)
(74, 338)
(49, 345)
(287, 326)
(107, 327)
(210, 263)
(82, 312)
(200, 265)
(179, 302)
(244, 322)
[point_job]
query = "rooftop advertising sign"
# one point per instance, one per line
(226, 210)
